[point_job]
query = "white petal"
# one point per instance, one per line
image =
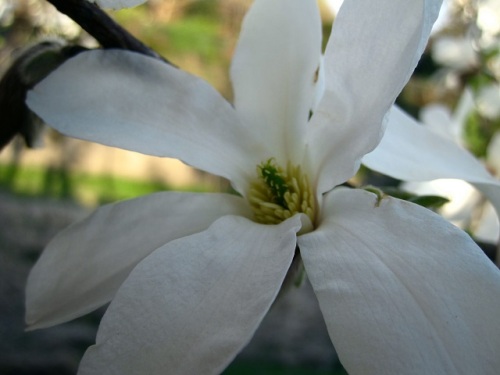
(117, 4)
(402, 290)
(135, 102)
(274, 72)
(411, 152)
(84, 265)
(373, 49)
(191, 305)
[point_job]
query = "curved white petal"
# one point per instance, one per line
(117, 4)
(372, 51)
(131, 101)
(402, 290)
(274, 72)
(84, 265)
(411, 152)
(190, 306)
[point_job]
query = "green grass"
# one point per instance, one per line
(84, 188)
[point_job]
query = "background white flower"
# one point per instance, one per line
(420, 147)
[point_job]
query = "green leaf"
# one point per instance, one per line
(429, 201)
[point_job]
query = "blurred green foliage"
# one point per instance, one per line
(194, 35)
(85, 188)
(477, 134)
(197, 34)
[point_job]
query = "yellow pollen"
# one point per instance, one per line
(277, 194)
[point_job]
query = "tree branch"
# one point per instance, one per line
(102, 27)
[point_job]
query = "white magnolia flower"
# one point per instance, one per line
(191, 276)
(470, 40)
(488, 21)
(488, 101)
(455, 52)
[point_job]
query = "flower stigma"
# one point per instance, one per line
(277, 194)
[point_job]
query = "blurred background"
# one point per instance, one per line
(455, 91)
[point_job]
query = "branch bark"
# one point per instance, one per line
(102, 27)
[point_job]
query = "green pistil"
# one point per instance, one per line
(277, 194)
(274, 179)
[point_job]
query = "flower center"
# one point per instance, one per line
(277, 194)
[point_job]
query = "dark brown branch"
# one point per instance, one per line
(102, 27)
